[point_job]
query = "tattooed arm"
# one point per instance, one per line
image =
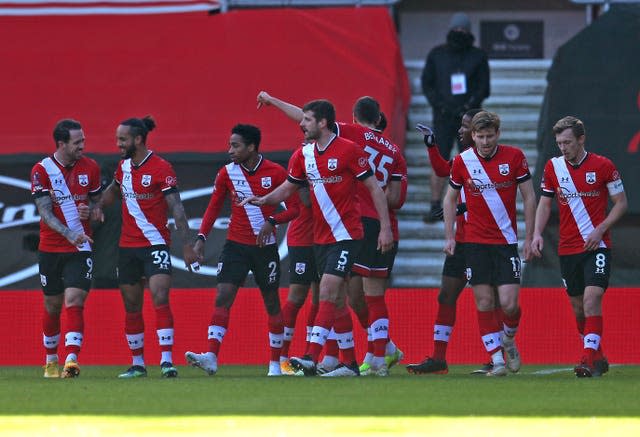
(45, 209)
(182, 225)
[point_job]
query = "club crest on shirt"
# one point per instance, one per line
(301, 268)
(266, 182)
(146, 180)
(504, 169)
(83, 180)
(590, 177)
(332, 163)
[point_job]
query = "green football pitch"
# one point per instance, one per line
(241, 400)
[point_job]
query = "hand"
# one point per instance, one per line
(429, 137)
(97, 215)
(265, 234)
(593, 240)
(449, 247)
(264, 99)
(385, 240)
(253, 200)
(537, 244)
(77, 238)
(191, 258)
(198, 248)
(83, 211)
(461, 208)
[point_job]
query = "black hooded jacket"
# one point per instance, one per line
(458, 55)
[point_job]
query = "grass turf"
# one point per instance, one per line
(535, 392)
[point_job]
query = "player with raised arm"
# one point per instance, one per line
(148, 187)
(371, 268)
(490, 174)
(582, 182)
(454, 275)
(331, 165)
(66, 190)
(250, 245)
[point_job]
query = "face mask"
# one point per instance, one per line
(459, 40)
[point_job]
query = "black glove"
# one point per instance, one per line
(461, 208)
(429, 137)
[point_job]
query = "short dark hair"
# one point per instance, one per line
(61, 131)
(249, 133)
(140, 126)
(472, 112)
(322, 109)
(367, 110)
(569, 122)
(381, 125)
(485, 120)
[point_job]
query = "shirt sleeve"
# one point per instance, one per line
(297, 173)
(522, 167)
(40, 184)
(547, 184)
(168, 179)
(440, 166)
(215, 203)
(456, 178)
(359, 163)
(614, 181)
(95, 180)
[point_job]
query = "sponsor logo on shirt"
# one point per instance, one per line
(476, 187)
(564, 195)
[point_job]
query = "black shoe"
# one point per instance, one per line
(305, 364)
(168, 370)
(584, 370)
(429, 365)
(602, 365)
(486, 368)
(436, 214)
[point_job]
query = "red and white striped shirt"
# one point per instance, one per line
(332, 175)
(490, 185)
(68, 187)
(582, 192)
(144, 208)
(384, 158)
(240, 183)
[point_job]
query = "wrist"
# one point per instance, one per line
(272, 220)
(201, 237)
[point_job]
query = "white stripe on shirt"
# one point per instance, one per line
(490, 196)
(68, 204)
(575, 203)
(327, 208)
(150, 232)
(241, 185)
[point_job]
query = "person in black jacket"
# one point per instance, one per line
(455, 79)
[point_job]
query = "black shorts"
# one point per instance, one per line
(370, 262)
(236, 260)
(336, 258)
(302, 265)
(455, 266)
(493, 264)
(585, 269)
(59, 271)
(134, 263)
